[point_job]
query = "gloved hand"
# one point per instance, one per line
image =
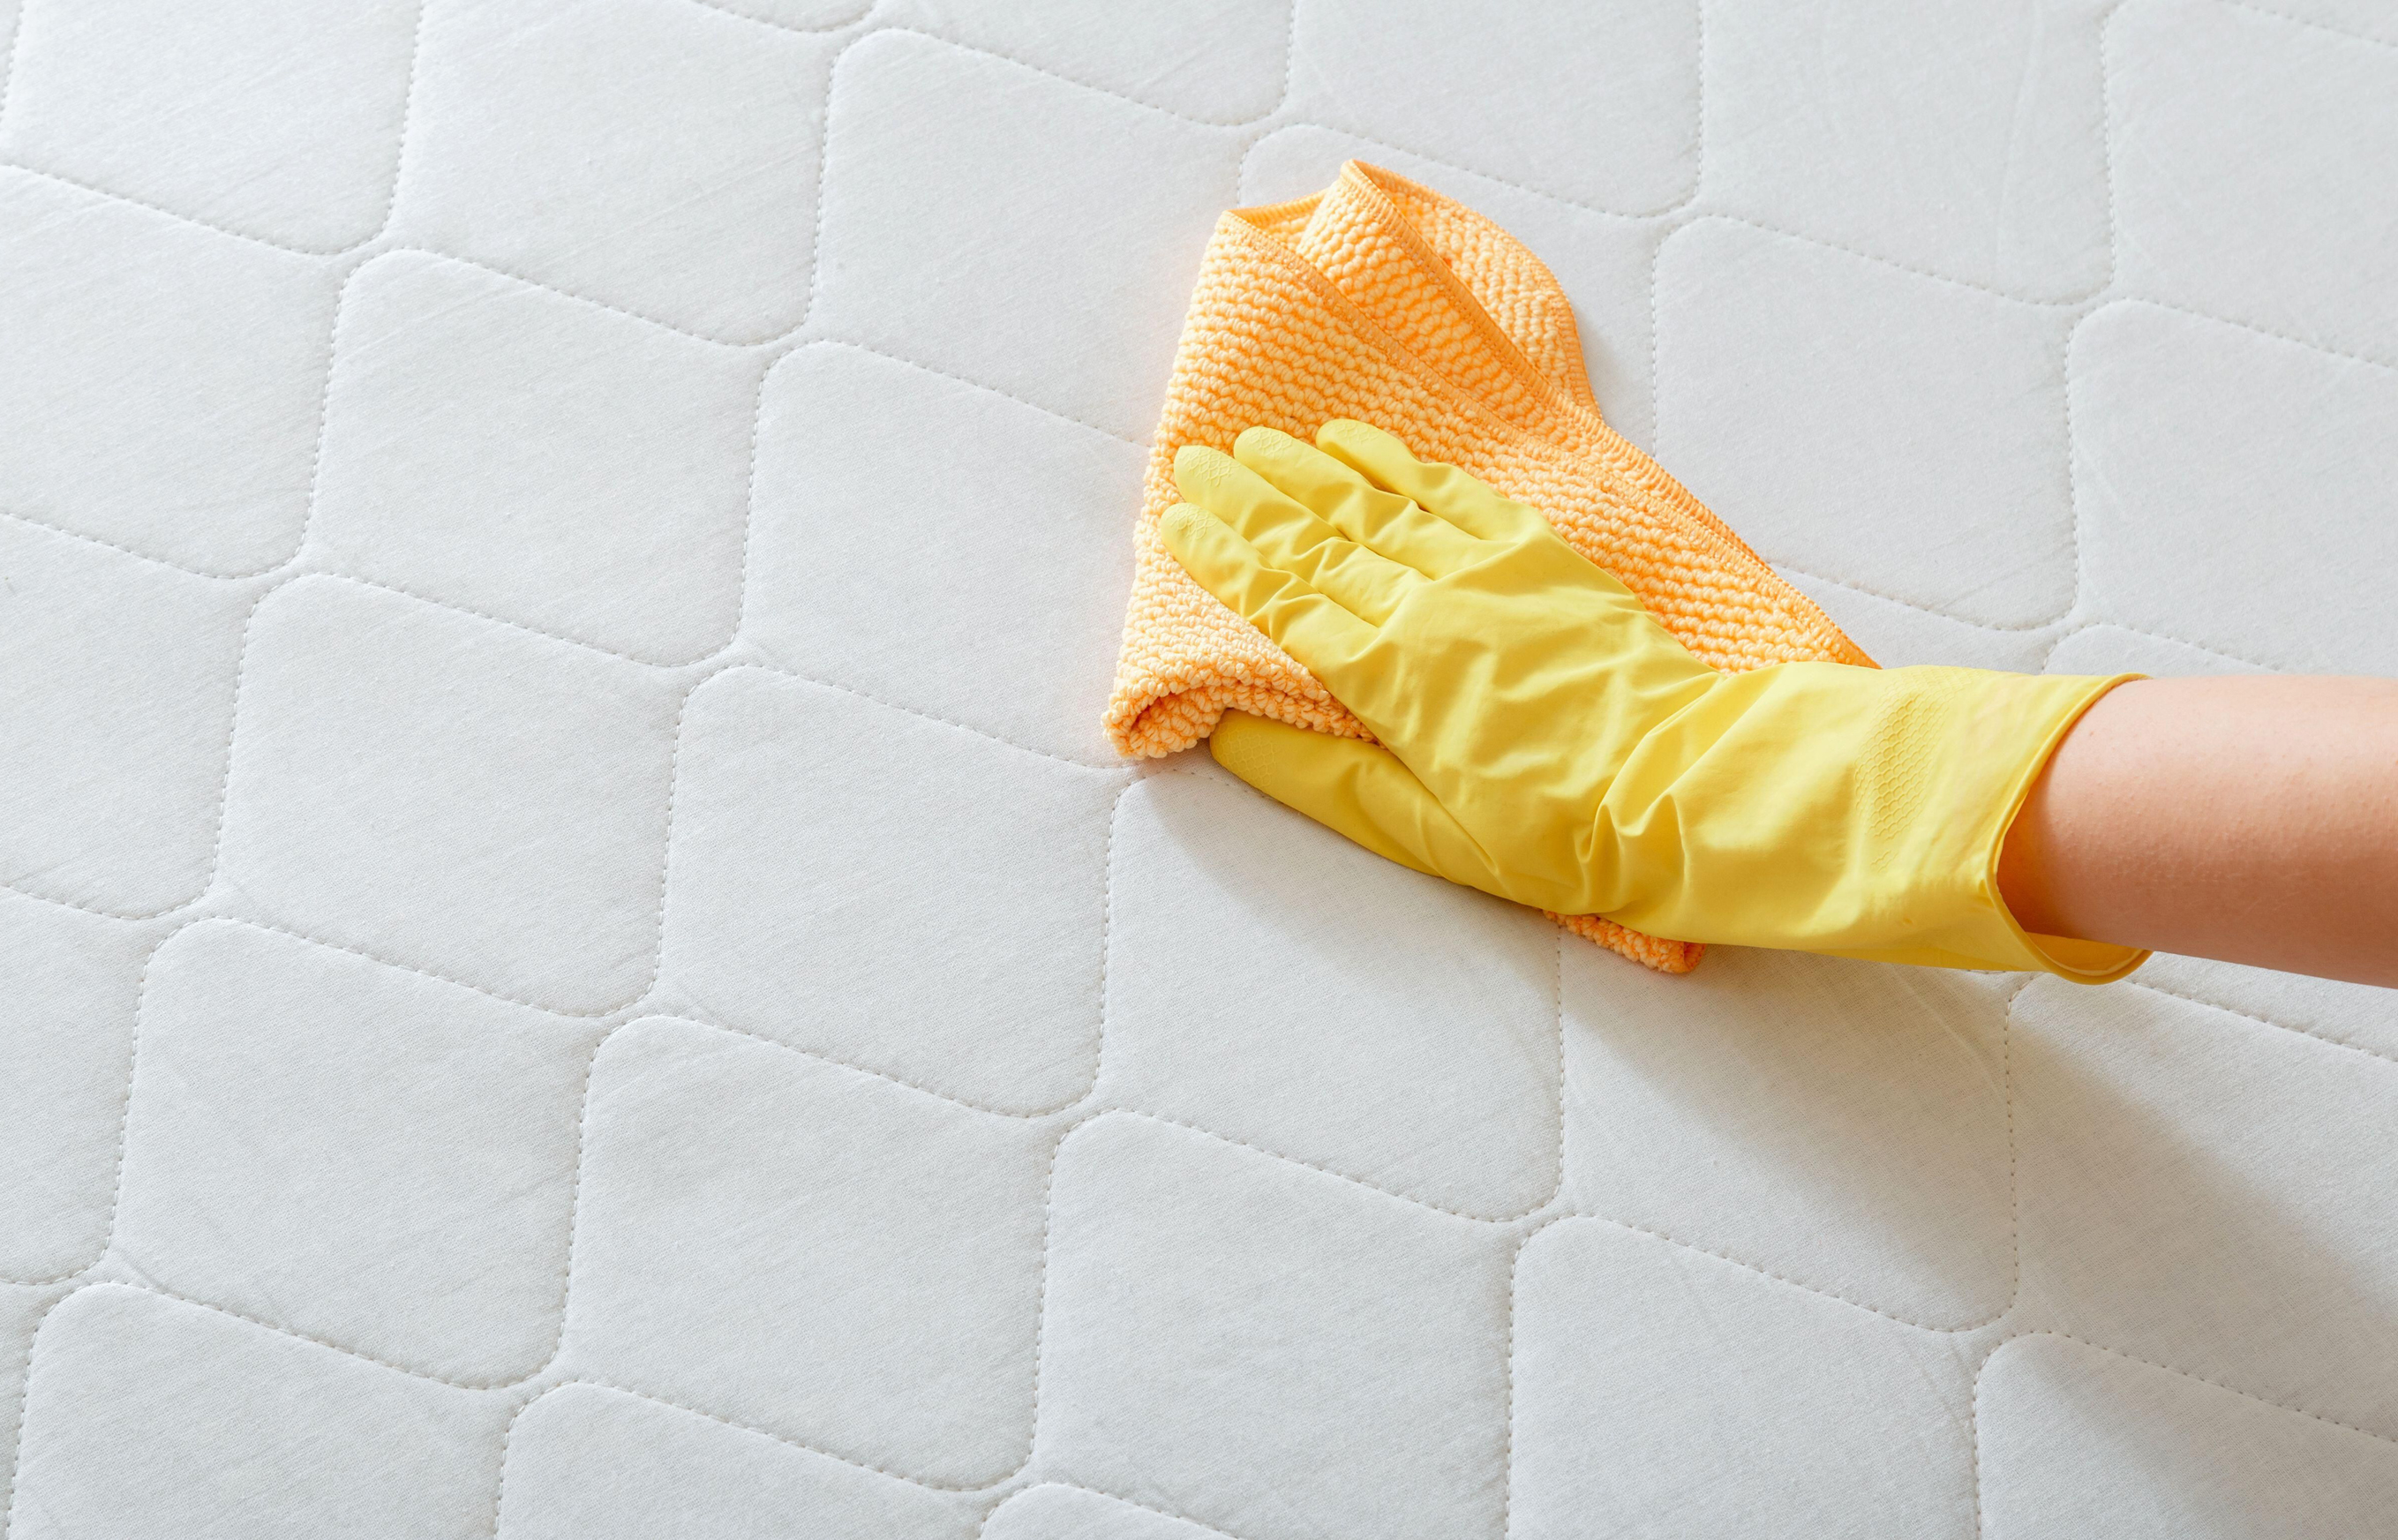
(1542, 738)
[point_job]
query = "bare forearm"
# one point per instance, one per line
(2253, 819)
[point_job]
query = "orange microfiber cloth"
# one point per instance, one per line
(1383, 301)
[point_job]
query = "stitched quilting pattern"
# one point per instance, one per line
(574, 957)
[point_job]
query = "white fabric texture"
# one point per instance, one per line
(573, 961)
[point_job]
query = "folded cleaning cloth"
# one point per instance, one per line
(1382, 300)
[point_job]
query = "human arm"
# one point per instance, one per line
(1542, 738)
(2249, 819)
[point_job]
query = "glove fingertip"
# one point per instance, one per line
(1196, 468)
(1260, 436)
(1378, 459)
(1356, 790)
(1335, 429)
(1186, 532)
(1179, 521)
(1247, 745)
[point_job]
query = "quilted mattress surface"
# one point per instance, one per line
(573, 961)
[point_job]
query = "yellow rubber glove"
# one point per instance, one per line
(1545, 739)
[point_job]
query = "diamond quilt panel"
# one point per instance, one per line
(573, 963)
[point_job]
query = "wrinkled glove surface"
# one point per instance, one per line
(1542, 738)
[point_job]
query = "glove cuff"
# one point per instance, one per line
(1851, 811)
(2082, 961)
(1987, 746)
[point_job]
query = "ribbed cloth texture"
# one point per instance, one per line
(1383, 301)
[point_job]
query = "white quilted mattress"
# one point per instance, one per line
(574, 963)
